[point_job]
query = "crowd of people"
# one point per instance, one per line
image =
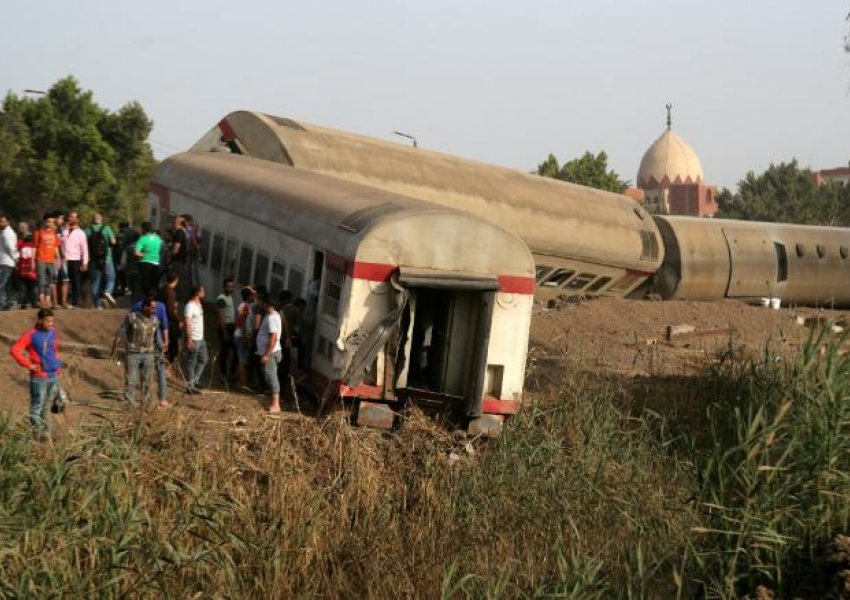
(258, 338)
(50, 264)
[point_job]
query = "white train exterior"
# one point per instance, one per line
(415, 301)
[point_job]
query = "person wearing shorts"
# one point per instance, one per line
(47, 254)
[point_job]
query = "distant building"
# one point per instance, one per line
(671, 179)
(837, 175)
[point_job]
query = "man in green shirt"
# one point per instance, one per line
(148, 249)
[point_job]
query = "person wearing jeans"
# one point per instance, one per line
(8, 254)
(38, 351)
(195, 348)
(101, 268)
(162, 345)
(269, 351)
(141, 332)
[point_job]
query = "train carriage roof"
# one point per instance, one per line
(339, 216)
(553, 217)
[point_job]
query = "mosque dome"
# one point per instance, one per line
(669, 160)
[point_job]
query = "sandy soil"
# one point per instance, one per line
(619, 337)
(630, 337)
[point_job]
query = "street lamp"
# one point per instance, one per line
(37, 92)
(408, 136)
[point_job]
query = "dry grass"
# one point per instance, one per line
(582, 497)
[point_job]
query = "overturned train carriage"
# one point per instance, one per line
(585, 241)
(412, 301)
(717, 258)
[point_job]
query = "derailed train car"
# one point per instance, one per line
(415, 301)
(584, 241)
(708, 259)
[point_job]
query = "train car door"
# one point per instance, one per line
(444, 336)
(753, 260)
(436, 339)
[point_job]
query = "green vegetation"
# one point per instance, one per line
(785, 193)
(61, 149)
(588, 170)
(740, 481)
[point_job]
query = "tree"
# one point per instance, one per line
(788, 194)
(588, 170)
(63, 150)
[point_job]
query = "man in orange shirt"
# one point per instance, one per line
(47, 254)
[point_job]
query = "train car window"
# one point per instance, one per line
(580, 281)
(821, 250)
(296, 281)
(278, 280)
(204, 245)
(217, 256)
(599, 284)
(261, 270)
(781, 262)
(541, 271)
(558, 278)
(333, 291)
(246, 261)
(801, 250)
(842, 250)
(649, 246)
(231, 254)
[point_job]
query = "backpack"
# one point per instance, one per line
(98, 246)
(26, 263)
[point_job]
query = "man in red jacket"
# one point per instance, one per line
(38, 351)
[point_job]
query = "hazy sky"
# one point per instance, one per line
(752, 82)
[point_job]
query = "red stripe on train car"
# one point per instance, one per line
(510, 284)
(496, 406)
(371, 271)
(226, 130)
(362, 390)
(514, 284)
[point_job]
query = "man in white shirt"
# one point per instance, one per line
(195, 354)
(8, 255)
(268, 349)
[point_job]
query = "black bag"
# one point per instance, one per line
(98, 246)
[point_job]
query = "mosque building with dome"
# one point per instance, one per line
(670, 179)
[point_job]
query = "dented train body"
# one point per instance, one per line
(409, 301)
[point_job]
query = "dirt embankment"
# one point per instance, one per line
(609, 336)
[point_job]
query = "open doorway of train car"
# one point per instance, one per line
(434, 344)
(443, 341)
